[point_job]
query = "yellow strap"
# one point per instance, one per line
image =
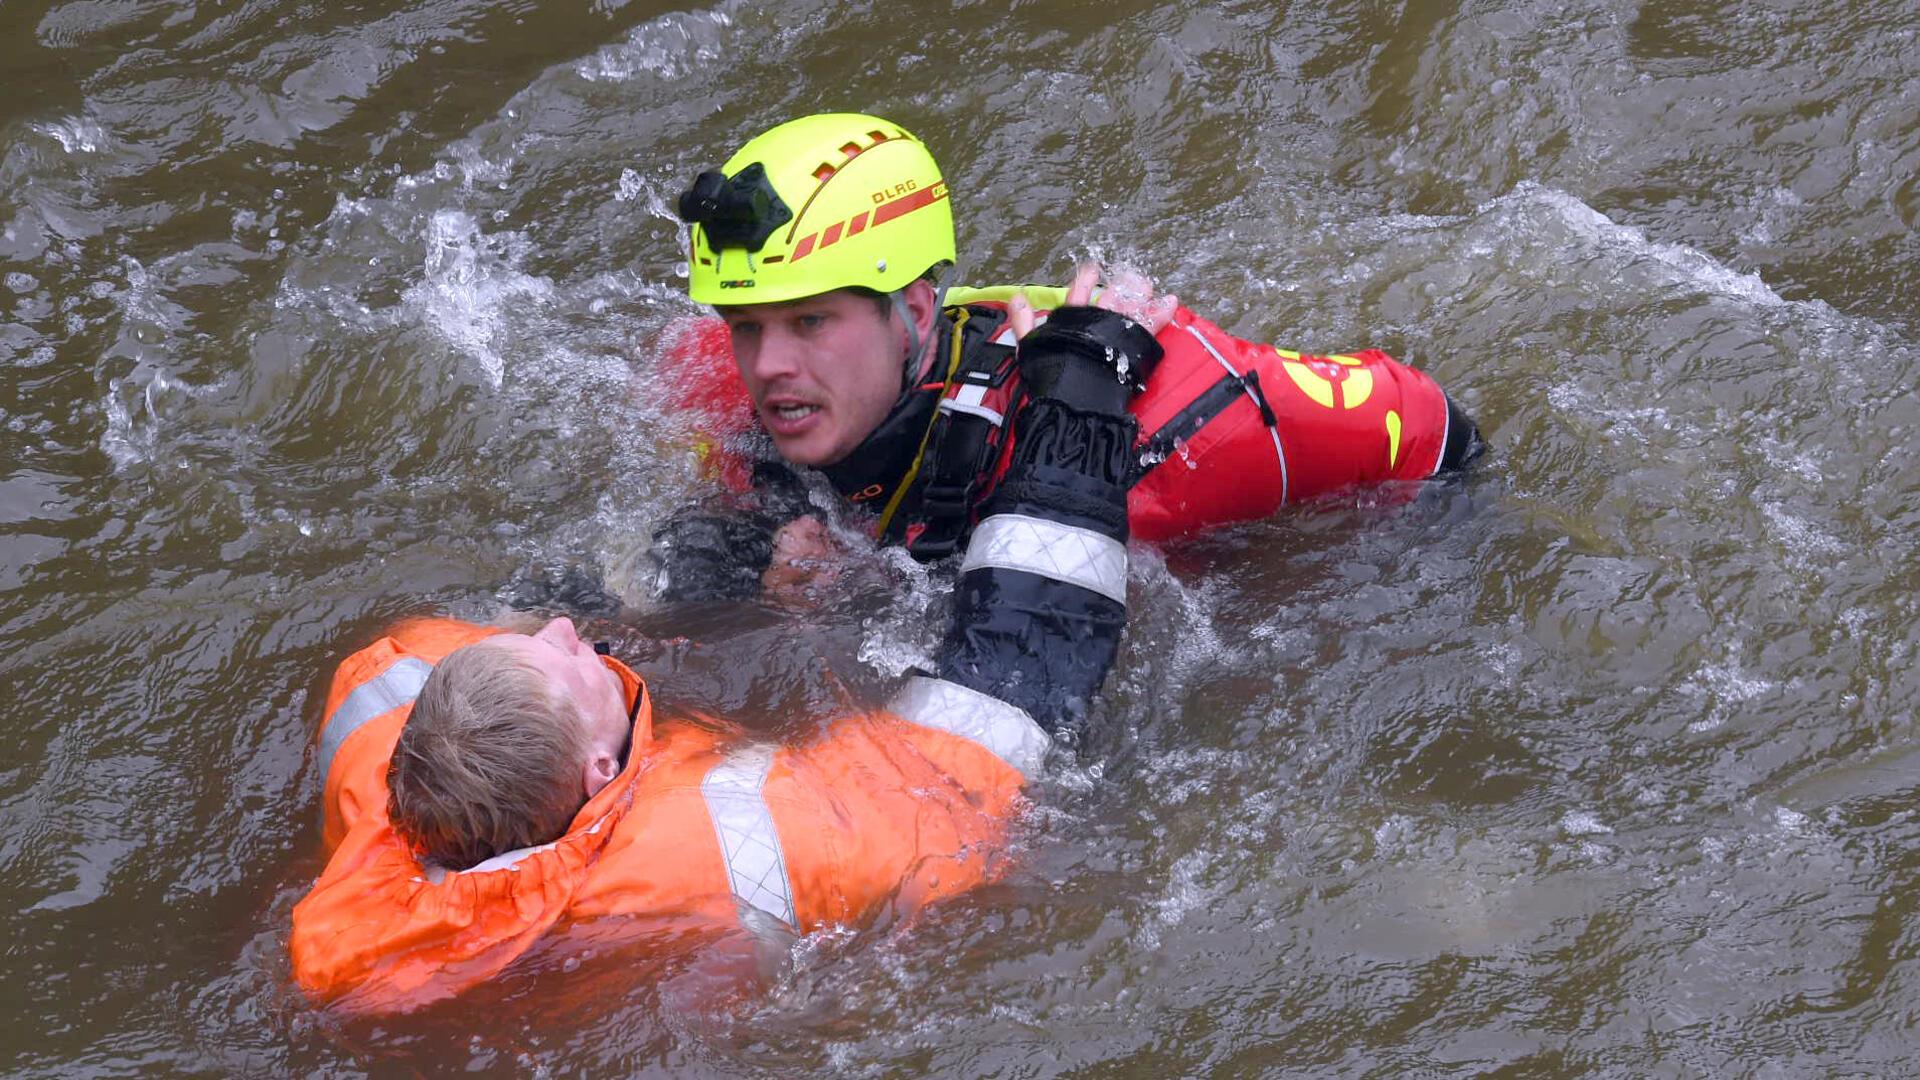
(1042, 297)
(899, 493)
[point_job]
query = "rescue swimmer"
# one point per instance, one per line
(823, 244)
(482, 786)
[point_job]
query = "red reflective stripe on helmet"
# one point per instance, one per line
(801, 249)
(832, 235)
(907, 204)
(859, 222)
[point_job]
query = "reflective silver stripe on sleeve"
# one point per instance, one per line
(1273, 431)
(749, 844)
(396, 686)
(1005, 729)
(1067, 553)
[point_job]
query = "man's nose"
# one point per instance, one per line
(774, 356)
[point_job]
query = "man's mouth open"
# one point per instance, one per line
(789, 417)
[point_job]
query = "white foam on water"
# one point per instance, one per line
(476, 168)
(1789, 458)
(1185, 892)
(1504, 659)
(1676, 263)
(1729, 682)
(1393, 834)
(897, 640)
(142, 303)
(1727, 685)
(472, 286)
(74, 134)
(1806, 542)
(630, 186)
(1632, 423)
(125, 446)
(1584, 823)
(670, 47)
(1791, 822)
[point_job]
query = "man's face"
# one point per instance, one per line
(823, 371)
(572, 666)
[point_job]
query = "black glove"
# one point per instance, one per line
(712, 556)
(1088, 357)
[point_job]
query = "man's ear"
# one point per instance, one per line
(920, 300)
(600, 770)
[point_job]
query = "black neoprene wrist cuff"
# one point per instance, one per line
(1109, 339)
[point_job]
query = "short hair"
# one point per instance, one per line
(881, 301)
(884, 301)
(490, 761)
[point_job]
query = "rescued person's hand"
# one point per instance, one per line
(1092, 357)
(1130, 293)
(803, 551)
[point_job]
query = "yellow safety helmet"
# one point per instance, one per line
(820, 203)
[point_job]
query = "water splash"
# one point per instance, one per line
(1555, 217)
(75, 135)
(472, 284)
(670, 47)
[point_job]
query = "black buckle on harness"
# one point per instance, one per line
(1251, 383)
(944, 512)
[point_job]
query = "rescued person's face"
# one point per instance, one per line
(571, 665)
(823, 371)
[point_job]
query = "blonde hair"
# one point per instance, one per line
(490, 760)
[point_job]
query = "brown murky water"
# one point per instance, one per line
(1601, 763)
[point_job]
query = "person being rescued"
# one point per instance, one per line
(480, 786)
(821, 245)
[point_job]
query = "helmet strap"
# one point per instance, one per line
(916, 345)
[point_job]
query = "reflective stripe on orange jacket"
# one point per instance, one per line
(903, 807)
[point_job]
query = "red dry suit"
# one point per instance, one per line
(1229, 430)
(902, 806)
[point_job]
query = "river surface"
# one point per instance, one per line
(1600, 763)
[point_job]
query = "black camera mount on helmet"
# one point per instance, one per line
(741, 211)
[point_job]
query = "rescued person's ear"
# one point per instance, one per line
(600, 770)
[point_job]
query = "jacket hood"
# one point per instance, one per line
(382, 931)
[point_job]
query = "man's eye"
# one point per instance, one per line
(743, 329)
(813, 321)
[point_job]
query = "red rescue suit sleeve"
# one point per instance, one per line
(1248, 428)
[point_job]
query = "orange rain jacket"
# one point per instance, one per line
(905, 805)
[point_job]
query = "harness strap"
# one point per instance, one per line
(1183, 425)
(972, 413)
(906, 482)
